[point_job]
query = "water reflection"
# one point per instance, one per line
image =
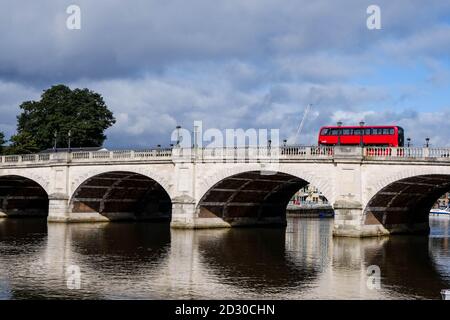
(258, 262)
(439, 247)
(150, 261)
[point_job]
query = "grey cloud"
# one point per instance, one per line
(419, 125)
(120, 39)
(149, 108)
(431, 42)
(11, 95)
(232, 64)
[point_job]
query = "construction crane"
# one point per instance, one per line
(302, 122)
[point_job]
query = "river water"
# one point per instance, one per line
(151, 261)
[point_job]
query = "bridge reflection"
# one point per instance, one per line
(408, 267)
(146, 260)
(257, 260)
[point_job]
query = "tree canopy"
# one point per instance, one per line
(2, 141)
(60, 110)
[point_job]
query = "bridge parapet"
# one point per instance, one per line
(87, 156)
(236, 154)
(259, 154)
(406, 153)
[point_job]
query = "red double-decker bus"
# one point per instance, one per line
(383, 136)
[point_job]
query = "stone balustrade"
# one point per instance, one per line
(237, 153)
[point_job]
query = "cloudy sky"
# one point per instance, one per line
(234, 64)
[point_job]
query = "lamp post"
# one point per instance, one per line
(55, 136)
(339, 124)
(196, 133)
(361, 142)
(427, 142)
(178, 135)
(284, 143)
(409, 142)
(69, 136)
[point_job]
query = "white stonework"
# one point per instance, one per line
(349, 178)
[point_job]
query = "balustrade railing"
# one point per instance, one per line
(225, 153)
(408, 153)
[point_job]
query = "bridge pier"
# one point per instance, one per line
(185, 216)
(58, 208)
(352, 220)
(59, 211)
(349, 221)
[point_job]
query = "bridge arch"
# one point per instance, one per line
(390, 176)
(319, 181)
(147, 171)
(22, 196)
(245, 194)
(38, 176)
(402, 201)
(120, 195)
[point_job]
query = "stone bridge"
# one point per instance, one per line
(374, 190)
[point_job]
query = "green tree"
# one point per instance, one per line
(2, 142)
(22, 144)
(60, 110)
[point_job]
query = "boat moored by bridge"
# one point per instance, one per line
(440, 212)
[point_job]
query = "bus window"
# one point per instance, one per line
(334, 132)
(346, 132)
(386, 131)
(368, 131)
(392, 131)
(357, 132)
(325, 131)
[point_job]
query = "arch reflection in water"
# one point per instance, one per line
(21, 240)
(408, 264)
(115, 260)
(119, 260)
(266, 263)
(145, 260)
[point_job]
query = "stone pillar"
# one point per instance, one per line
(348, 208)
(58, 208)
(183, 204)
(185, 216)
(183, 212)
(349, 221)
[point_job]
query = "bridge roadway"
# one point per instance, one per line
(374, 191)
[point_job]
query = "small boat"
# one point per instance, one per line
(442, 212)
